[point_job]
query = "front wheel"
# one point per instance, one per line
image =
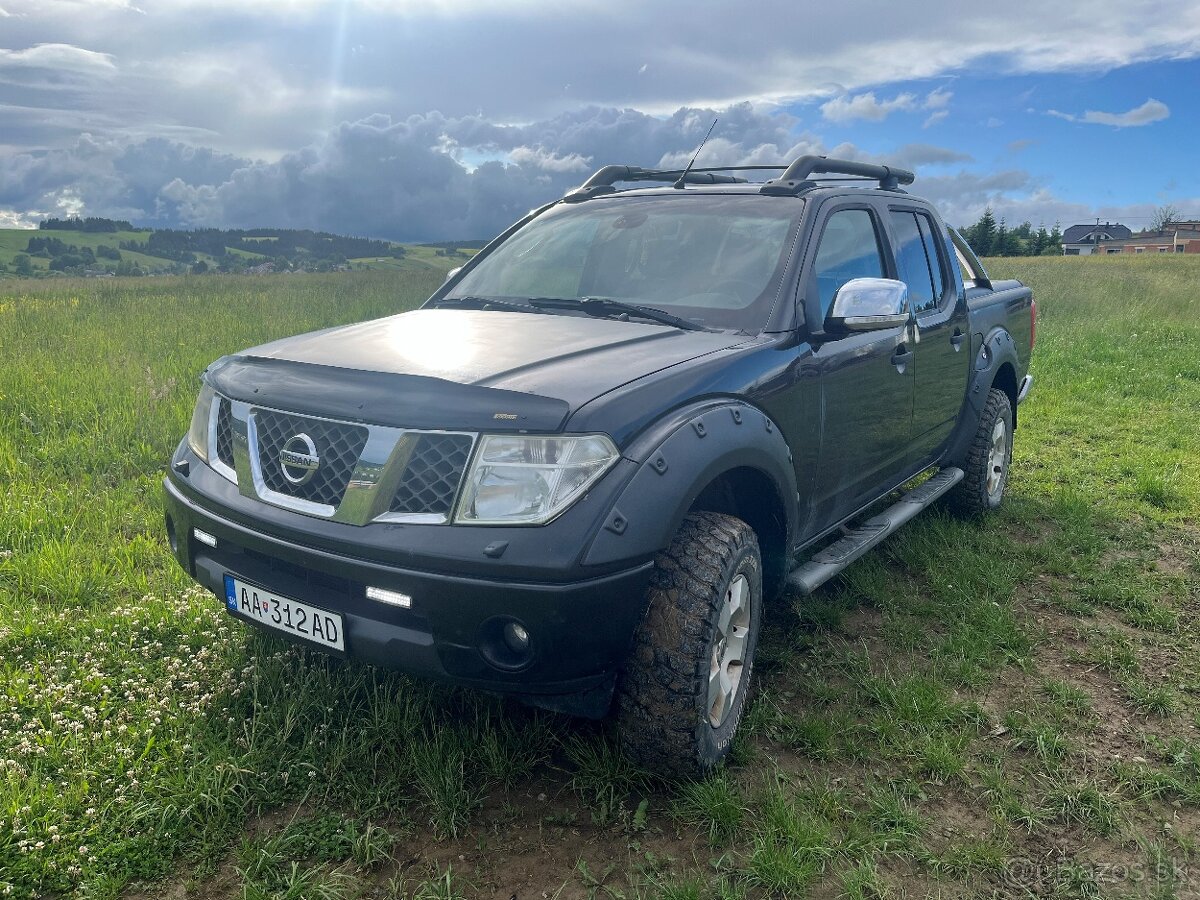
(988, 458)
(682, 692)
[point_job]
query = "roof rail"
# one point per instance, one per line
(794, 178)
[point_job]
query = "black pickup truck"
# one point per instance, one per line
(578, 473)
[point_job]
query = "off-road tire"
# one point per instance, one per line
(972, 495)
(662, 694)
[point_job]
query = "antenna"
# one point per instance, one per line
(683, 178)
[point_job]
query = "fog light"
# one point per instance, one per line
(516, 637)
(394, 598)
(204, 537)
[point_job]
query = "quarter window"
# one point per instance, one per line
(849, 249)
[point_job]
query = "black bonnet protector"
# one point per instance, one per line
(380, 398)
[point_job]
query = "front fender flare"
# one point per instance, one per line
(677, 458)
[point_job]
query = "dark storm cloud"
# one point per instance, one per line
(398, 179)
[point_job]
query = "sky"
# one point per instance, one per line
(449, 119)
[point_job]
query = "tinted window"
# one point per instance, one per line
(849, 249)
(912, 263)
(934, 247)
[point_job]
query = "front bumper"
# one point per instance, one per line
(580, 630)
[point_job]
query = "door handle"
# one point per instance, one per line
(902, 357)
(956, 339)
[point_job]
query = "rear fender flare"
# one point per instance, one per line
(993, 352)
(676, 459)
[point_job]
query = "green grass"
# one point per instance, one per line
(1005, 706)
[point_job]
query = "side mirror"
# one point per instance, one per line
(865, 304)
(453, 272)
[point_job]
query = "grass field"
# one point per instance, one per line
(1005, 707)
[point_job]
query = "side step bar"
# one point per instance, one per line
(837, 556)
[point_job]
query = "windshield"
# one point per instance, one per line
(713, 259)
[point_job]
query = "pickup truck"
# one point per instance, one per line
(580, 471)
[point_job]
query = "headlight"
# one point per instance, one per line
(530, 480)
(201, 420)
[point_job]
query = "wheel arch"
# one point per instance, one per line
(995, 366)
(752, 496)
(717, 456)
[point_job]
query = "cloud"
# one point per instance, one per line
(1149, 112)
(939, 98)
(912, 155)
(865, 106)
(1020, 145)
(61, 58)
(539, 158)
(269, 77)
(849, 108)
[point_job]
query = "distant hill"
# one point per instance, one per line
(102, 247)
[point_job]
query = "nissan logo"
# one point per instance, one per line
(298, 460)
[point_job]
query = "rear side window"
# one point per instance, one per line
(849, 249)
(934, 251)
(911, 261)
(918, 260)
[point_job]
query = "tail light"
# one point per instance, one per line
(1032, 323)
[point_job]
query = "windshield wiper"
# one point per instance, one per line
(606, 306)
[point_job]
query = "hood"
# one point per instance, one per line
(449, 368)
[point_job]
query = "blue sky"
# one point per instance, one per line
(430, 119)
(1005, 122)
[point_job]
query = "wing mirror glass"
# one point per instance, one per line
(865, 304)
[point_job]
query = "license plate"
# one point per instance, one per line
(284, 614)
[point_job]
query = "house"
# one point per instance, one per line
(1083, 240)
(1175, 239)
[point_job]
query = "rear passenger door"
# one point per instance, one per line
(942, 342)
(866, 382)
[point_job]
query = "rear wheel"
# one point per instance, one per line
(988, 458)
(681, 696)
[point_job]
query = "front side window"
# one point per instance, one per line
(711, 258)
(849, 249)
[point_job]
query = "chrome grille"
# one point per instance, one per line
(224, 432)
(433, 473)
(338, 445)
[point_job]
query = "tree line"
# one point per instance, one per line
(988, 237)
(295, 247)
(92, 225)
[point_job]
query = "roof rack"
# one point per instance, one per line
(604, 180)
(795, 177)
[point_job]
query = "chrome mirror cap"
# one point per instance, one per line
(865, 304)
